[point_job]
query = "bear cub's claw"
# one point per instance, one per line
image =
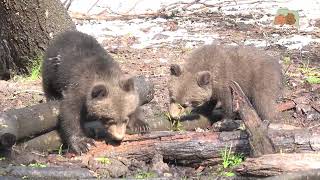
(139, 126)
(81, 144)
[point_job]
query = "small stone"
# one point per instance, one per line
(167, 175)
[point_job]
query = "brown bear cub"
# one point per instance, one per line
(206, 75)
(91, 86)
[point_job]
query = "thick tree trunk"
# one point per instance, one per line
(26, 28)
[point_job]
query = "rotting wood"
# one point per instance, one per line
(194, 148)
(258, 137)
(184, 148)
(276, 164)
(290, 104)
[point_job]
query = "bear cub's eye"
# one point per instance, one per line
(99, 91)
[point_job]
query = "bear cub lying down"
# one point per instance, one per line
(91, 86)
(206, 75)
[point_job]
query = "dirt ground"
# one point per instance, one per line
(154, 63)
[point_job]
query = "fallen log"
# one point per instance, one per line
(182, 148)
(202, 148)
(52, 141)
(28, 122)
(276, 164)
(297, 175)
(46, 172)
(43, 143)
(199, 148)
(258, 137)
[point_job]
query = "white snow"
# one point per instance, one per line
(152, 32)
(297, 41)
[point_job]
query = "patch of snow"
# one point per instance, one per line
(147, 32)
(152, 32)
(256, 42)
(120, 6)
(297, 41)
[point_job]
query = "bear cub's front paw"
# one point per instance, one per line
(81, 144)
(139, 126)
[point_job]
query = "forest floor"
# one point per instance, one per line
(148, 46)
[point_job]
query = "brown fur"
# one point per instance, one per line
(258, 74)
(91, 86)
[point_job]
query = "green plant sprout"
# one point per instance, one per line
(175, 123)
(35, 69)
(60, 150)
(37, 165)
(312, 74)
(144, 175)
(229, 160)
(103, 160)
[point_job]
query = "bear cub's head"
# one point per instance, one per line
(188, 89)
(112, 102)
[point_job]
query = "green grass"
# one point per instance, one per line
(312, 75)
(144, 175)
(229, 160)
(60, 150)
(37, 165)
(35, 69)
(313, 79)
(103, 160)
(176, 125)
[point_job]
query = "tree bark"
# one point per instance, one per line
(183, 148)
(46, 172)
(259, 141)
(276, 164)
(26, 28)
(202, 148)
(27, 122)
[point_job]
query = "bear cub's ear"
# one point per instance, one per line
(175, 70)
(127, 84)
(203, 78)
(99, 91)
